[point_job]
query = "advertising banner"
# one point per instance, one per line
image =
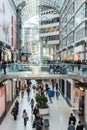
(6, 13)
(13, 32)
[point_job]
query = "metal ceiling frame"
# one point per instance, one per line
(28, 10)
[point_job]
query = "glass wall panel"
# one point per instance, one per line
(78, 3)
(64, 32)
(80, 32)
(86, 29)
(70, 25)
(70, 11)
(80, 15)
(86, 9)
(63, 43)
(63, 21)
(70, 38)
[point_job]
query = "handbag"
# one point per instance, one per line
(27, 118)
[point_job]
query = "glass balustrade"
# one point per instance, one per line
(59, 68)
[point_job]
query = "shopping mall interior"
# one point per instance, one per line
(43, 51)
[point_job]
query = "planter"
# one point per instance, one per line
(44, 111)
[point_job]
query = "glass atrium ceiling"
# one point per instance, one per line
(33, 7)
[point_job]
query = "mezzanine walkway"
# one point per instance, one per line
(24, 71)
(58, 118)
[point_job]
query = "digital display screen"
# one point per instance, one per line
(2, 101)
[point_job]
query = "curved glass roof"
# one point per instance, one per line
(33, 7)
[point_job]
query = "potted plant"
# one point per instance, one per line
(43, 106)
(39, 81)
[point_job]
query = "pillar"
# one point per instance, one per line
(65, 89)
(54, 52)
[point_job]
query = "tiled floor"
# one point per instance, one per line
(58, 118)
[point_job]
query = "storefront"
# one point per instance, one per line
(79, 52)
(79, 98)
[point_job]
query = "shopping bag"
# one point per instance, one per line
(51, 93)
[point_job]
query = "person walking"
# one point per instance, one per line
(79, 126)
(14, 112)
(28, 91)
(72, 118)
(32, 103)
(4, 66)
(22, 92)
(71, 126)
(56, 86)
(36, 110)
(57, 94)
(17, 105)
(25, 117)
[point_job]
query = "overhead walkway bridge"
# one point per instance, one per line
(44, 71)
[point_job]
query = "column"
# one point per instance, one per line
(41, 50)
(54, 52)
(65, 89)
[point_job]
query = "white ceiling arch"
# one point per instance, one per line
(33, 7)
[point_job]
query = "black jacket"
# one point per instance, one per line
(72, 118)
(79, 127)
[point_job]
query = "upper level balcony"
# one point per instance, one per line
(49, 34)
(44, 71)
(53, 42)
(49, 25)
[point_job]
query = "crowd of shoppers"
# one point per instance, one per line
(38, 119)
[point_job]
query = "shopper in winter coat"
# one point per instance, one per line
(72, 118)
(79, 126)
(32, 103)
(14, 112)
(71, 126)
(25, 116)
